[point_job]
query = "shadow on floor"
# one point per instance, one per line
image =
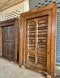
(11, 70)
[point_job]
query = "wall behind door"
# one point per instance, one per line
(14, 11)
(33, 4)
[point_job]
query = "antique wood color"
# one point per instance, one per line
(10, 39)
(38, 39)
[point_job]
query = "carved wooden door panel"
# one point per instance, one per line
(8, 35)
(36, 36)
(37, 39)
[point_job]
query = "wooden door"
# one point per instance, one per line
(36, 36)
(38, 39)
(8, 46)
(10, 39)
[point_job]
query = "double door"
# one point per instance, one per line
(36, 36)
(38, 39)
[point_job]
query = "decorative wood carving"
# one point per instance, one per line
(38, 39)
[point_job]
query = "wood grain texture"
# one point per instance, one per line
(42, 22)
(10, 39)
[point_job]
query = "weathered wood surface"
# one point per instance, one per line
(38, 39)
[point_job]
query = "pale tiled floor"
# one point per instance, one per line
(11, 70)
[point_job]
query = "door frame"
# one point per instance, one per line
(52, 25)
(11, 22)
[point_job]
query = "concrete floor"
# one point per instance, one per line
(11, 70)
(58, 71)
